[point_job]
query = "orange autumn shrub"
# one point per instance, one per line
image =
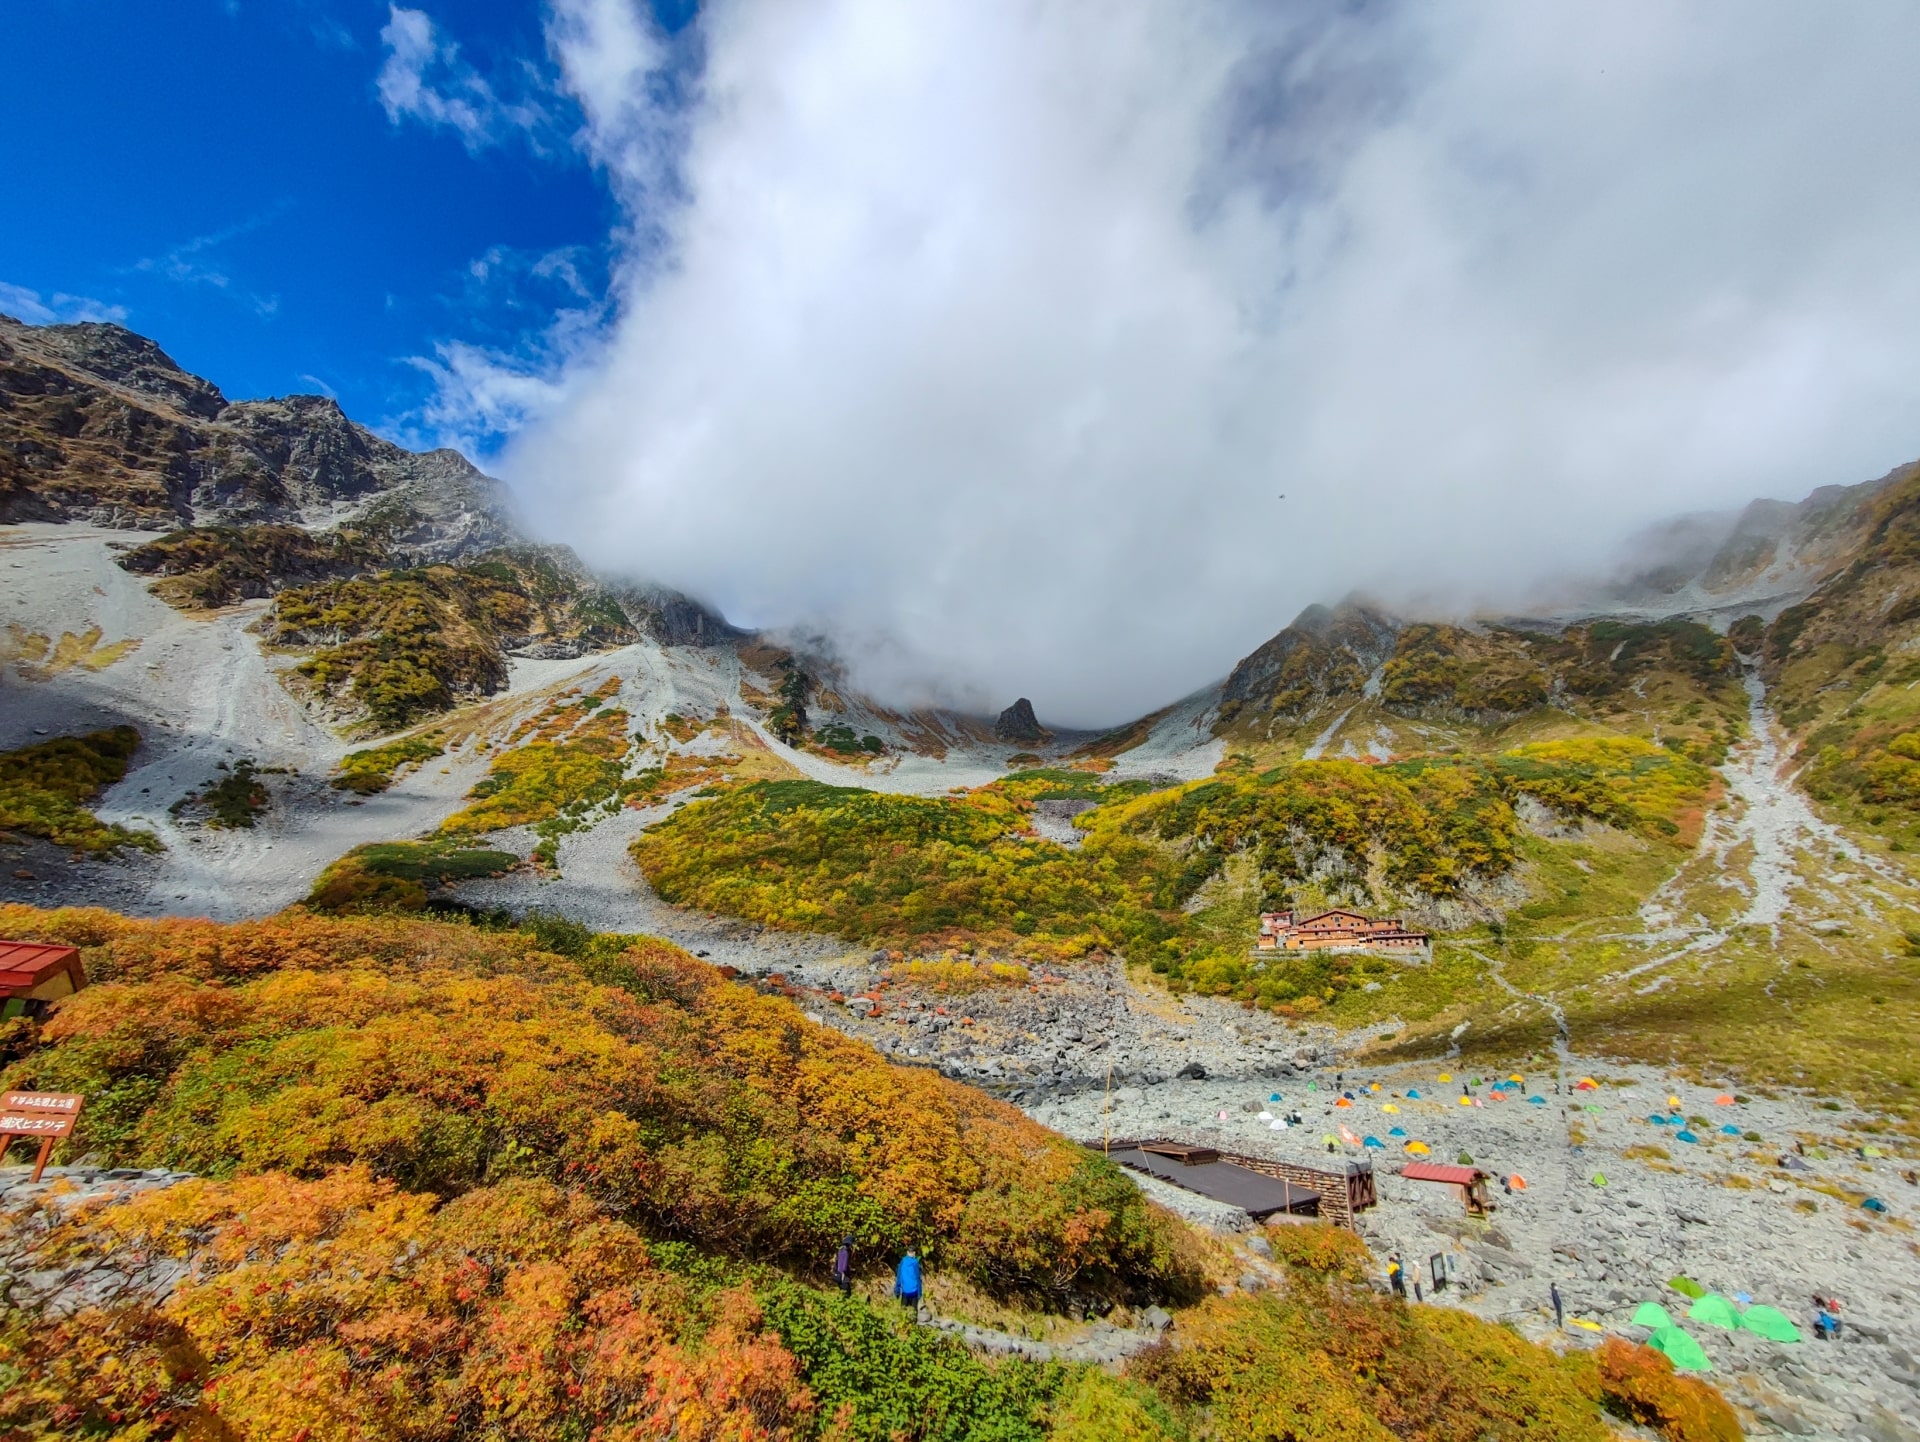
(1640, 1385)
(340, 1309)
(444, 1058)
(1336, 1363)
(1321, 1249)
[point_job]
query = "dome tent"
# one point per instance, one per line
(1715, 1311)
(1652, 1315)
(1686, 1354)
(1770, 1323)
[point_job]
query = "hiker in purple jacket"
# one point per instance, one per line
(843, 1267)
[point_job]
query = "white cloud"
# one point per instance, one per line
(480, 393)
(196, 262)
(984, 334)
(424, 78)
(56, 309)
(543, 317)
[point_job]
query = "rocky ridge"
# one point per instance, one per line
(100, 425)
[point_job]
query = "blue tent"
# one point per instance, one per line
(1538, 1101)
(1413, 1096)
(1658, 1121)
(1398, 1132)
(1729, 1130)
(1373, 1142)
(1275, 1097)
(1688, 1137)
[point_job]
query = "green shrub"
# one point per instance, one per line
(1094, 1407)
(400, 875)
(373, 770)
(894, 1380)
(43, 788)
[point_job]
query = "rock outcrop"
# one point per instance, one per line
(1018, 723)
(98, 424)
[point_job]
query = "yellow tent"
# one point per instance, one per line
(1446, 1076)
(1466, 1101)
(1389, 1107)
(1419, 1149)
(1374, 1087)
(1516, 1079)
(1673, 1101)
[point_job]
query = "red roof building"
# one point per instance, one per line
(1338, 930)
(33, 975)
(1471, 1181)
(1441, 1172)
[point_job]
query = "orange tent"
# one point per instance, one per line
(1723, 1101)
(1517, 1182)
(1343, 1102)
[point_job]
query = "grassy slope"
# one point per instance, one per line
(1172, 878)
(1846, 678)
(1446, 689)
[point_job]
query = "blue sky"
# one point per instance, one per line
(226, 178)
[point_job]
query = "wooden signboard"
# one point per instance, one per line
(46, 1115)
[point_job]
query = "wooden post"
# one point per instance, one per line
(40, 1162)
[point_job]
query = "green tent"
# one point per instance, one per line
(1715, 1311)
(1686, 1354)
(1599, 1179)
(1687, 1287)
(1770, 1323)
(1652, 1314)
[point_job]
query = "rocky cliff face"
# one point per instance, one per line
(1770, 551)
(99, 424)
(1323, 653)
(676, 620)
(1018, 723)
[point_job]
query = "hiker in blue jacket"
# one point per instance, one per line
(906, 1282)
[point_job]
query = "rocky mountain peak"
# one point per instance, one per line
(118, 356)
(1018, 723)
(1324, 651)
(101, 425)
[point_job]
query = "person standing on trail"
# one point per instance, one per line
(843, 1267)
(1413, 1275)
(906, 1282)
(1559, 1308)
(1396, 1278)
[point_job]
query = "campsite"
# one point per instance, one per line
(1720, 1213)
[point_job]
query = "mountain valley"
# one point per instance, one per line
(261, 669)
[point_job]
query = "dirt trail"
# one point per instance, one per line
(1760, 846)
